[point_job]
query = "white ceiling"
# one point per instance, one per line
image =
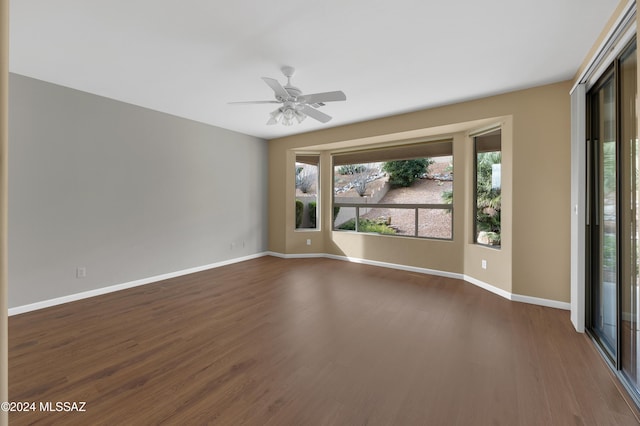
(190, 57)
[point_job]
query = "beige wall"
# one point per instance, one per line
(534, 259)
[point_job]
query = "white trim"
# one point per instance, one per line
(295, 256)
(489, 287)
(493, 289)
(110, 289)
(597, 59)
(150, 280)
(542, 302)
(612, 54)
(578, 202)
(396, 266)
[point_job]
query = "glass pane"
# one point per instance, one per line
(604, 321)
(306, 179)
(363, 183)
(371, 220)
(630, 338)
(415, 182)
(344, 218)
(388, 221)
(435, 223)
(488, 196)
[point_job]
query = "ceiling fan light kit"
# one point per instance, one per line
(296, 106)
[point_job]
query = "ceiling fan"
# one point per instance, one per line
(295, 105)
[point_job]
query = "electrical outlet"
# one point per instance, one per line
(309, 241)
(81, 272)
(484, 264)
(232, 246)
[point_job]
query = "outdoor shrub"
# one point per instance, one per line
(368, 225)
(405, 172)
(299, 210)
(336, 211)
(360, 185)
(447, 197)
(351, 169)
(313, 213)
(304, 179)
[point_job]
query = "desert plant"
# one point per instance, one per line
(405, 172)
(360, 184)
(361, 178)
(351, 169)
(368, 225)
(299, 210)
(304, 179)
(447, 197)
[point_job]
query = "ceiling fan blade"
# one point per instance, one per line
(277, 88)
(255, 102)
(315, 98)
(315, 114)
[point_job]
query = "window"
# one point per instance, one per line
(403, 190)
(488, 182)
(306, 178)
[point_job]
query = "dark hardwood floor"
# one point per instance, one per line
(308, 342)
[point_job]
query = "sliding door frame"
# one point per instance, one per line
(592, 218)
(622, 31)
(592, 203)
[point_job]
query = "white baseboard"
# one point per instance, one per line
(295, 256)
(104, 290)
(493, 289)
(542, 302)
(368, 262)
(396, 266)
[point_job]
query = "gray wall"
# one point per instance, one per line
(127, 192)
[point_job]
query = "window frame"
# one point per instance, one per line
(474, 216)
(367, 152)
(317, 227)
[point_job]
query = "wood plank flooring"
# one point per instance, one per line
(309, 342)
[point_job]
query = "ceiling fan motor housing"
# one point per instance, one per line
(293, 91)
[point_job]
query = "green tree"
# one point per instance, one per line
(488, 199)
(299, 211)
(405, 172)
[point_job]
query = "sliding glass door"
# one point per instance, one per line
(612, 217)
(602, 220)
(629, 294)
